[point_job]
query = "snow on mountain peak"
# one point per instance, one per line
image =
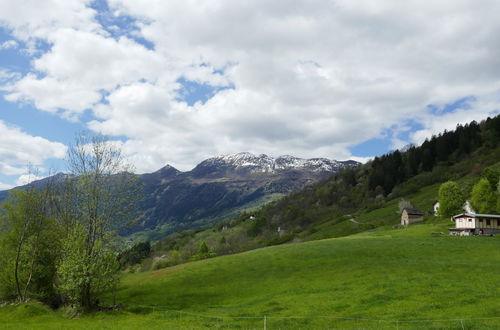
(265, 163)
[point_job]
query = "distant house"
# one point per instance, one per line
(467, 224)
(435, 208)
(409, 216)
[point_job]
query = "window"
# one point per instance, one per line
(488, 222)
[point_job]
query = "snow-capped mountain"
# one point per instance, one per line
(265, 164)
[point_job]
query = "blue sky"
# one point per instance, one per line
(177, 82)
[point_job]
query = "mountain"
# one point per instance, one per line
(248, 164)
(216, 189)
(54, 179)
(220, 187)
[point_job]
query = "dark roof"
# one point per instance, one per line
(477, 215)
(413, 211)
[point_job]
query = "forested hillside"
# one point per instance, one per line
(354, 200)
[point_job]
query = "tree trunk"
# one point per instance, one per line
(18, 260)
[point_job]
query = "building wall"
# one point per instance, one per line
(404, 218)
(488, 231)
(407, 219)
(483, 223)
(415, 218)
(469, 222)
(465, 222)
(436, 208)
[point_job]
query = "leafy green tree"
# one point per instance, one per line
(203, 252)
(28, 245)
(85, 276)
(203, 248)
(451, 199)
(492, 176)
(483, 197)
(135, 254)
(100, 194)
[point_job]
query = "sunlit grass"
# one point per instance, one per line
(367, 280)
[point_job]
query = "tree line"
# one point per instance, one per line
(58, 241)
(448, 147)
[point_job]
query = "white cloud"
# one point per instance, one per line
(6, 76)
(19, 149)
(7, 169)
(31, 19)
(6, 186)
(310, 78)
(27, 178)
(9, 44)
(52, 95)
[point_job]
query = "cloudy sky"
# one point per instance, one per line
(179, 81)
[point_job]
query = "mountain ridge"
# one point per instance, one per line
(218, 188)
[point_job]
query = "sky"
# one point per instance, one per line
(179, 81)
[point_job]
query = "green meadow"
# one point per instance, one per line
(389, 278)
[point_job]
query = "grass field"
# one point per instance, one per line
(389, 278)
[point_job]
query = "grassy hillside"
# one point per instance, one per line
(306, 216)
(385, 278)
(352, 201)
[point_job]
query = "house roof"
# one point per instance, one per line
(476, 215)
(413, 211)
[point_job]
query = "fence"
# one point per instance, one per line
(190, 320)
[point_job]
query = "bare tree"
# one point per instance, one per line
(101, 193)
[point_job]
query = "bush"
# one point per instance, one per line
(172, 258)
(256, 226)
(201, 256)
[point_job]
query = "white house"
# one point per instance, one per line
(467, 224)
(435, 207)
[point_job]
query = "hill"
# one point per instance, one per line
(352, 201)
(388, 278)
